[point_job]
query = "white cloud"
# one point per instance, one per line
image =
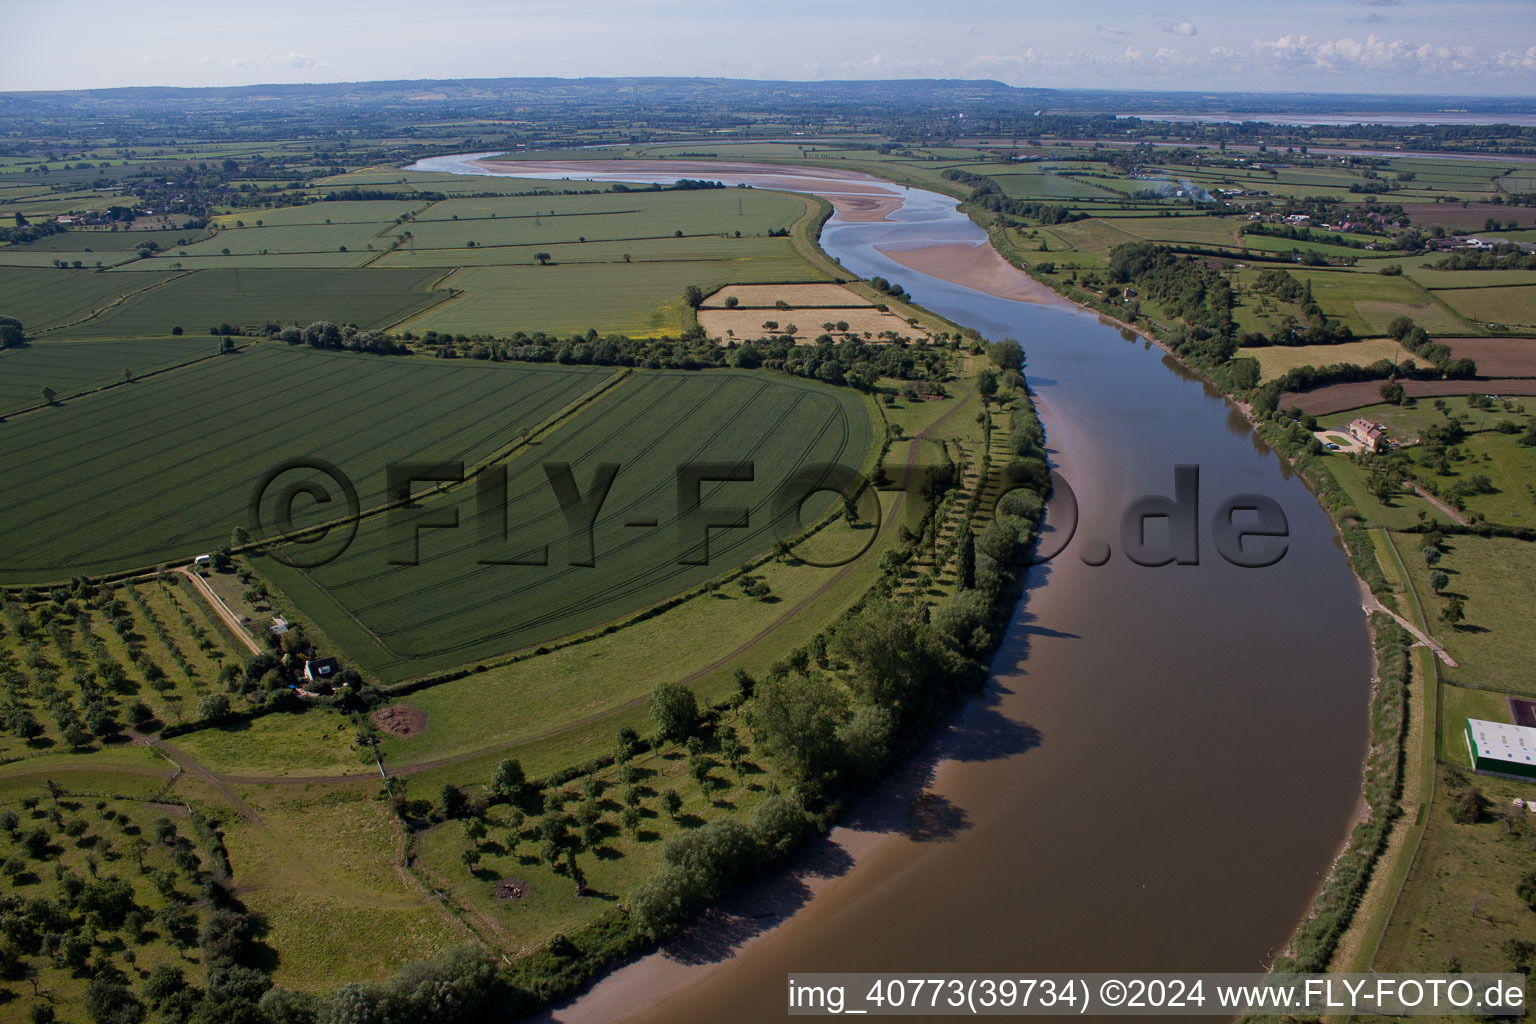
(1373, 54)
(1174, 24)
(297, 61)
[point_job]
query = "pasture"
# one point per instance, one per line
(1512, 306)
(465, 600)
(92, 497)
(1367, 302)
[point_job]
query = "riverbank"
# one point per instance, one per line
(1074, 679)
(1342, 888)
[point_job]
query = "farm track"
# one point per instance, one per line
(220, 608)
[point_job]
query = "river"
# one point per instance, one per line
(1165, 760)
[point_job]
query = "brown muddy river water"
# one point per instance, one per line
(1165, 761)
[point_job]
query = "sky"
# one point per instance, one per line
(1466, 47)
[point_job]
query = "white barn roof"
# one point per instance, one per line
(1500, 741)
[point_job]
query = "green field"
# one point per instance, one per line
(248, 298)
(91, 497)
(159, 640)
(43, 300)
(1495, 647)
(1367, 302)
(1511, 306)
(638, 298)
(72, 367)
(648, 426)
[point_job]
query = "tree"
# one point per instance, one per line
(1526, 889)
(49, 394)
(797, 719)
(1438, 581)
(626, 744)
(509, 781)
(11, 333)
(542, 257)
(454, 802)
(693, 295)
(470, 858)
(1469, 807)
(1455, 611)
(986, 383)
(108, 1002)
(671, 803)
(965, 570)
(675, 710)
(212, 707)
(1008, 354)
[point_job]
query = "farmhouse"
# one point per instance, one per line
(320, 670)
(1500, 749)
(1372, 435)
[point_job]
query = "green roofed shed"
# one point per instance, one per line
(1502, 749)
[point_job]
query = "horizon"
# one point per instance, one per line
(1484, 48)
(1203, 93)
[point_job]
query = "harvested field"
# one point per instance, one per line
(808, 321)
(401, 720)
(1275, 360)
(764, 296)
(1497, 357)
(1353, 395)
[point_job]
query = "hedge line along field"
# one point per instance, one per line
(164, 469)
(204, 299)
(72, 367)
(451, 608)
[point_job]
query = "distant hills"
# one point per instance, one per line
(475, 96)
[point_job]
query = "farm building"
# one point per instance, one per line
(1501, 749)
(1372, 435)
(319, 670)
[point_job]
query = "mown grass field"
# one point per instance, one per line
(1513, 306)
(1495, 647)
(648, 426)
(90, 497)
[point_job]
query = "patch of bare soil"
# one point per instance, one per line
(401, 720)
